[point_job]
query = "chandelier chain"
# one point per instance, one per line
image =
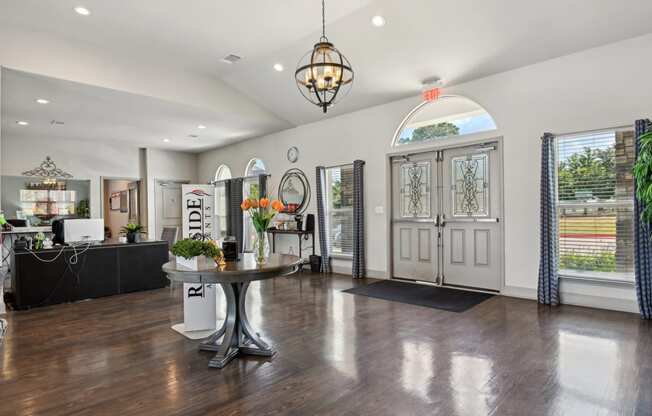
(323, 19)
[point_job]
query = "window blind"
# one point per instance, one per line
(595, 193)
(339, 207)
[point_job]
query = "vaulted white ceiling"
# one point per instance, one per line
(457, 40)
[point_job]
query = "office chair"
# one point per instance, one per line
(169, 234)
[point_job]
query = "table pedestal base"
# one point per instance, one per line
(238, 336)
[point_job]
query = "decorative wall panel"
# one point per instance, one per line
(481, 247)
(425, 245)
(458, 245)
(405, 235)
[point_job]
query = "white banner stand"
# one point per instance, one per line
(199, 301)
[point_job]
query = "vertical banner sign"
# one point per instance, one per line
(199, 311)
(198, 211)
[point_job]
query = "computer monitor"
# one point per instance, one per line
(83, 230)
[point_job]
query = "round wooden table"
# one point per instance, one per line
(239, 337)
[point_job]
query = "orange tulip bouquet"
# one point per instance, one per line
(261, 212)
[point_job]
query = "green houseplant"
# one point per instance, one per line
(195, 254)
(132, 231)
(643, 176)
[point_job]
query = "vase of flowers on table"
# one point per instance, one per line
(261, 211)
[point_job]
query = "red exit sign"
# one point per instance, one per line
(431, 94)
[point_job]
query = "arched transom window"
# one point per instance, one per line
(255, 167)
(223, 172)
(446, 117)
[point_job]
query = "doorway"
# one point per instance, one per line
(121, 204)
(447, 217)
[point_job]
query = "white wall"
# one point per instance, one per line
(166, 165)
(93, 161)
(598, 88)
(115, 220)
(82, 159)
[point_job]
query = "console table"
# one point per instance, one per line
(299, 233)
(239, 336)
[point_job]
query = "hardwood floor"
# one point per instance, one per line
(338, 354)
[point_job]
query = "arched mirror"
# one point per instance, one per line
(294, 191)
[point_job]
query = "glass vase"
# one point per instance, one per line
(261, 247)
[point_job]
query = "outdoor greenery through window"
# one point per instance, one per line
(595, 204)
(446, 117)
(339, 209)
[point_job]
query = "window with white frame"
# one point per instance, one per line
(254, 169)
(595, 191)
(221, 174)
(339, 209)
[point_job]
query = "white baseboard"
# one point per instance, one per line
(374, 274)
(519, 292)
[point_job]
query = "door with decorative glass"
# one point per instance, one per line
(471, 211)
(445, 217)
(414, 217)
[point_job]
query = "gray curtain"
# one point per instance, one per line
(642, 244)
(262, 186)
(234, 199)
(359, 263)
(548, 290)
(321, 219)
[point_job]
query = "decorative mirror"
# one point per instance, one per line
(294, 191)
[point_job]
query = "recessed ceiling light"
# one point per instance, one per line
(278, 67)
(82, 10)
(201, 126)
(22, 123)
(378, 21)
(42, 101)
(166, 140)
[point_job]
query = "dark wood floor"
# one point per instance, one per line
(338, 354)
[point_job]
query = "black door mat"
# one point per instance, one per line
(422, 295)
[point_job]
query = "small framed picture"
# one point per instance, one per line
(115, 201)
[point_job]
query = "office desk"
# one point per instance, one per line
(104, 269)
(17, 232)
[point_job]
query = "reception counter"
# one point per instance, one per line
(53, 276)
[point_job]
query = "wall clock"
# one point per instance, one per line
(293, 154)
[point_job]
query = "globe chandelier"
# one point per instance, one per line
(324, 75)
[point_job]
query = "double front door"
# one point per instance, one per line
(446, 213)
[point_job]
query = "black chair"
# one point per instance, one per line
(169, 234)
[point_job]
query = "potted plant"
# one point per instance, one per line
(261, 211)
(39, 238)
(196, 254)
(132, 231)
(643, 176)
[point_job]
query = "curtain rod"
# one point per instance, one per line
(338, 166)
(213, 182)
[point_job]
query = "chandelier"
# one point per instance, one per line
(324, 75)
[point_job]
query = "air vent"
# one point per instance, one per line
(231, 59)
(57, 123)
(193, 136)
